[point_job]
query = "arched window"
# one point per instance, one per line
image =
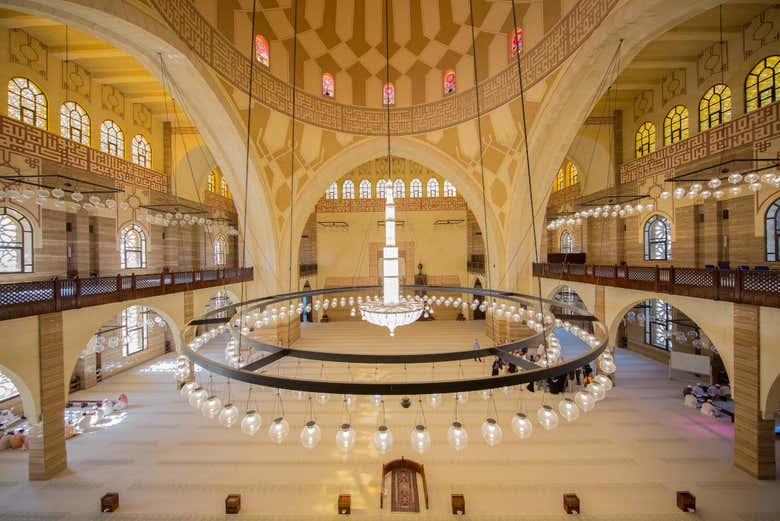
(762, 84)
(132, 247)
(74, 123)
(224, 189)
(262, 53)
(399, 188)
(332, 192)
(572, 175)
(142, 151)
(432, 188)
(715, 107)
(449, 189)
(134, 333)
(658, 239)
(645, 139)
(449, 81)
(772, 222)
(27, 103)
(212, 184)
(676, 125)
(415, 188)
(516, 43)
(16, 246)
(559, 183)
(364, 189)
(220, 250)
(388, 94)
(328, 85)
(7, 388)
(658, 323)
(380, 189)
(348, 190)
(567, 243)
(112, 139)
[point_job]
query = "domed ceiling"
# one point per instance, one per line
(347, 39)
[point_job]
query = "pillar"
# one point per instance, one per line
(47, 455)
(599, 306)
(754, 437)
(709, 233)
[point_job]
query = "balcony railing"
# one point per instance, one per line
(24, 299)
(756, 287)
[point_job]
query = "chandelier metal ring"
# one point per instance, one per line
(529, 372)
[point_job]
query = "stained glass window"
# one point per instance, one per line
(74, 123)
(112, 139)
(567, 242)
(135, 338)
(772, 222)
(220, 250)
(645, 139)
(142, 151)
(567, 175)
(380, 189)
(559, 182)
(27, 103)
(388, 94)
(16, 247)
(676, 125)
(658, 239)
(332, 192)
(212, 183)
(348, 190)
(449, 189)
(132, 247)
(261, 50)
(415, 188)
(224, 189)
(328, 85)
(658, 323)
(715, 107)
(399, 188)
(432, 188)
(449, 82)
(762, 84)
(516, 43)
(7, 388)
(364, 189)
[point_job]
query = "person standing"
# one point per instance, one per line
(475, 347)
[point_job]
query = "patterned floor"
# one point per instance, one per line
(625, 459)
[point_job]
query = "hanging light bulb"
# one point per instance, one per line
(433, 399)
(345, 438)
(607, 365)
(310, 434)
(584, 401)
(485, 394)
(185, 390)
(568, 409)
(383, 439)
(251, 422)
(522, 426)
(420, 439)
(457, 436)
(604, 380)
(323, 398)
(197, 396)
(547, 417)
(492, 432)
(278, 430)
(462, 397)
(228, 416)
(211, 407)
(597, 390)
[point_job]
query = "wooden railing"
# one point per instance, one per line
(24, 299)
(757, 287)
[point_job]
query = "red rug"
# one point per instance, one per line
(404, 491)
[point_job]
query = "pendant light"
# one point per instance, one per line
(491, 430)
(345, 436)
(228, 416)
(420, 437)
(310, 433)
(279, 428)
(252, 421)
(383, 437)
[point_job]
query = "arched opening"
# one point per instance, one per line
(308, 314)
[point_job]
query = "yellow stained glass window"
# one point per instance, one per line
(676, 125)
(645, 139)
(715, 107)
(762, 83)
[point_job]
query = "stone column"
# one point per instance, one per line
(48, 456)
(80, 245)
(709, 233)
(754, 438)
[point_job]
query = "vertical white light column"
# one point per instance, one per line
(390, 281)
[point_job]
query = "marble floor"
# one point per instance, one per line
(625, 459)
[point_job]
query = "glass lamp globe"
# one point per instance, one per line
(420, 439)
(492, 432)
(310, 434)
(522, 426)
(604, 380)
(376, 399)
(186, 389)
(228, 416)
(568, 409)
(251, 422)
(457, 436)
(485, 394)
(345, 438)
(585, 401)
(197, 396)
(350, 398)
(596, 390)
(278, 430)
(211, 407)
(462, 397)
(323, 398)
(433, 399)
(607, 365)
(383, 439)
(547, 417)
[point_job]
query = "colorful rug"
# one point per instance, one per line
(404, 491)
